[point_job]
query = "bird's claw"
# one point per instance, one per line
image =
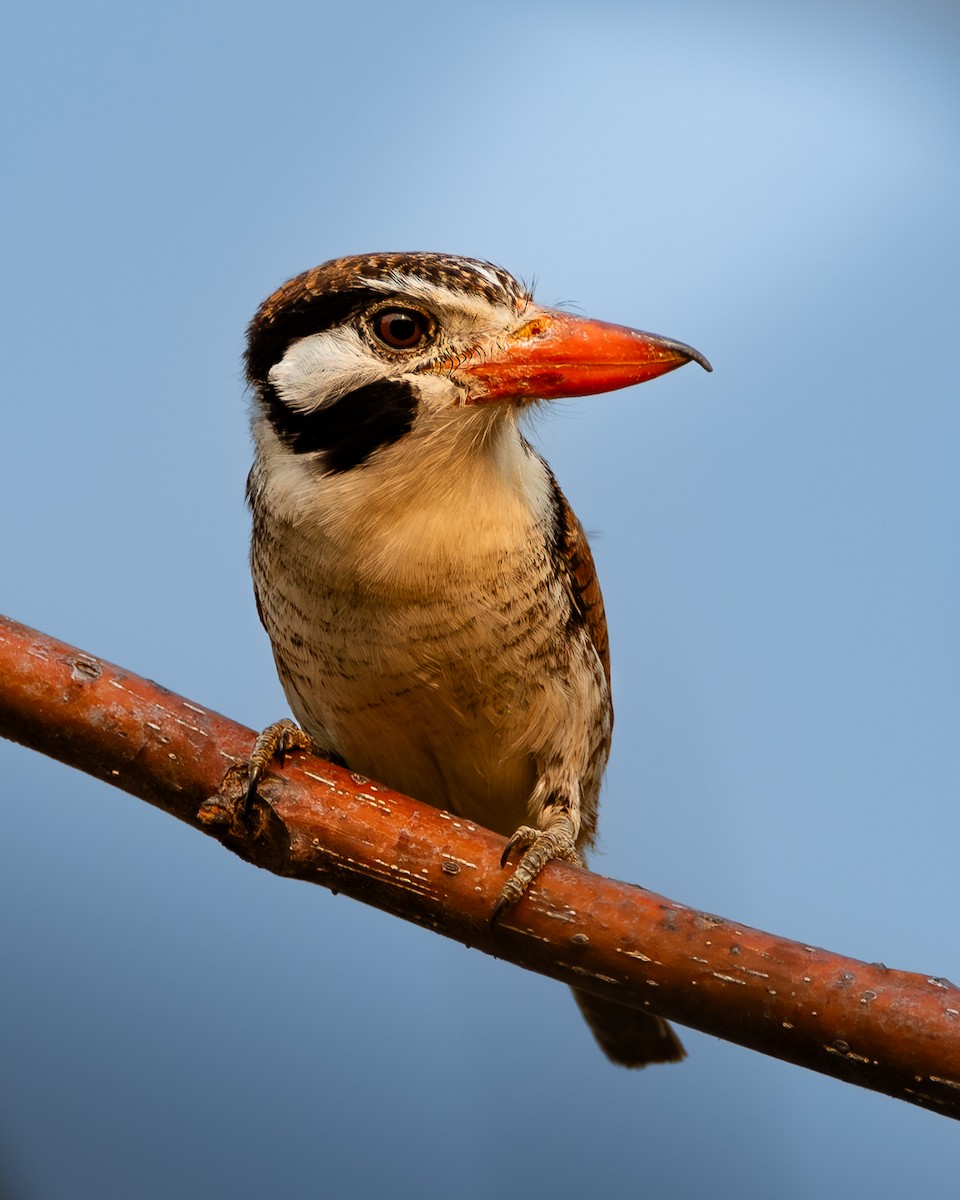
(539, 846)
(525, 837)
(272, 745)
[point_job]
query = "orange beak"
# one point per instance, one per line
(556, 355)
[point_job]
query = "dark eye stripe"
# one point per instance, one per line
(329, 294)
(349, 430)
(269, 340)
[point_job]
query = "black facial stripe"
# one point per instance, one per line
(349, 430)
(269, 340)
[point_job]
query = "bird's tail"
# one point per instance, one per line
(627, 1036)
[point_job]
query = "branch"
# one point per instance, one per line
(892, 1031)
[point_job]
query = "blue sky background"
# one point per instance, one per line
(777, 185)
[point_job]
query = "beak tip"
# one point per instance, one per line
(691, 355)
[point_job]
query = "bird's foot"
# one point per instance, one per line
(231, 806)
(272, 745)
(539, 846)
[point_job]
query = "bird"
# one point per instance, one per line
(429, 595)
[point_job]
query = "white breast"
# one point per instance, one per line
(419, 624)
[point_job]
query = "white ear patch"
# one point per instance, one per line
(319, 369)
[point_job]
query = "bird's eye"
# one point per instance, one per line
(400, 328)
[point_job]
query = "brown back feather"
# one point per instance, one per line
(582, 580)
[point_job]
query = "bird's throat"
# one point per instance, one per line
(453, 508)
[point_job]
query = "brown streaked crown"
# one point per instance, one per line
(328, 294)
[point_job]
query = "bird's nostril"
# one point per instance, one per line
(537, 328)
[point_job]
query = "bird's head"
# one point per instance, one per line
(351, 357)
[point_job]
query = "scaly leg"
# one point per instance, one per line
(556, 838)
(273, 743)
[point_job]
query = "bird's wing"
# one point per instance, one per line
(582, 582)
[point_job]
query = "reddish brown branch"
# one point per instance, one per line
(888, 1030)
